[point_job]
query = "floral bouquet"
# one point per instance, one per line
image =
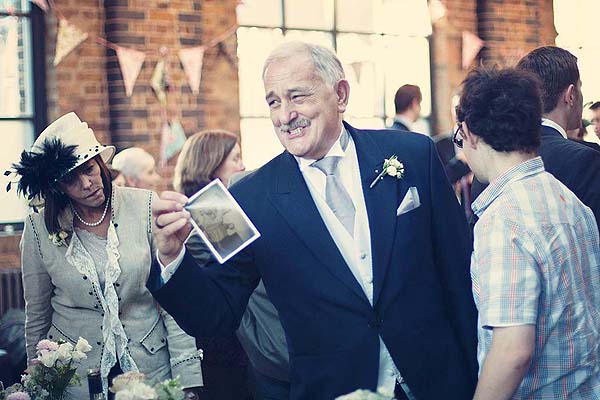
(51, 373)
(363, 395)
(131, 386)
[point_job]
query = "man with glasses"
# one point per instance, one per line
(536, 257)
(575, 165)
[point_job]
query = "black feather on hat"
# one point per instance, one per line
(41, 169)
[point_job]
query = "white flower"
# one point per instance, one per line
(392, 167)
(363, 395)
(64, 352)
(123, 381)
(137, 391)
(48, 358)
(78, 356)
(63, 235)
(83, 345)
(59, 239)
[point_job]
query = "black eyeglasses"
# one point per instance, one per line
(457, 138)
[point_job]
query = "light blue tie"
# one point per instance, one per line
(336, 196)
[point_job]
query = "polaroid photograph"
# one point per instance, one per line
(220, 221)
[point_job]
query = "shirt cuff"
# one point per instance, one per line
(168, 271)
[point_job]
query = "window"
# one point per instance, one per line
(22, 107)
(382, 44)
(575, 22)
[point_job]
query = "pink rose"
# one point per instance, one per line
(46, 344)
(18, 396)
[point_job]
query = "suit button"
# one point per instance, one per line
(91, 293)
(96, 306)
(49, 336)
(363, 256)
(151, 348)
(162, 340)
(98, 343)
(84, 277)
(117, 284)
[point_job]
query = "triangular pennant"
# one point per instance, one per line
(68, 38)
(471, 45)
(131, 62)
(357, 67)
(157, 82)
(177, 139)
(43, 4)
(191, 59)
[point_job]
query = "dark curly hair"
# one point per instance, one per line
(556, 68)
(502, 107)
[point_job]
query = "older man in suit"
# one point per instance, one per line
(574, 164)
(367, 267)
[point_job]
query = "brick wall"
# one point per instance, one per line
(510, 29)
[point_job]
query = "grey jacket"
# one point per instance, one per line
(63, 302)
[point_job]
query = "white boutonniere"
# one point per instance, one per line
(392, 167)
(59, 238)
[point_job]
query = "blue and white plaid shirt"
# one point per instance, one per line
(536, 260)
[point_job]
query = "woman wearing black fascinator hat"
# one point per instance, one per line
(86, 253)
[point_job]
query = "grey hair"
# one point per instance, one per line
(327, 66)
(130, 162)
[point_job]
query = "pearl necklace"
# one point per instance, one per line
(91, 224)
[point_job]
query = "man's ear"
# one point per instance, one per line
(342, 91)
(569, 95)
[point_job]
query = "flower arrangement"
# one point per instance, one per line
(51, 373)
(363, 395)
(392, 167)
(132, 386)
(59, 238)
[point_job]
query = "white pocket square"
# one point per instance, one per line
(409, 202)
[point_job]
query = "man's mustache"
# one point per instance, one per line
(295, 124)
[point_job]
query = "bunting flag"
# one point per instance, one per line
(191, 59)
(68, 38)
(131, 62)
(158, 84)
(357, 67)
(43, 4)
(172, 138)
(471, 45)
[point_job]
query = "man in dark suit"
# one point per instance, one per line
(367, 267)
(408, 107)
(575, 165)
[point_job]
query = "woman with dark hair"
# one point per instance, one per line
(86, 257)
(206, 156)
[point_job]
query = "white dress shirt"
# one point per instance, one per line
(552, 124)
(356, 250)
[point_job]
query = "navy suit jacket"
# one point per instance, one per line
(423, 306)
(577, 166)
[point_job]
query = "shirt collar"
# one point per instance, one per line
(552, 124)
(336, 150)
(496, 187)
(403, 120)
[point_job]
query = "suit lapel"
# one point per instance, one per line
(293, 201)
(381, 202)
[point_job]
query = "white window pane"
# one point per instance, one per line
(355, 15)
(16, 137)
(366, 123)
(360, 56)
(15, 68)
(260, 12)
(400, 71)
(322, 38)
(15, 5)
(254, 45)
(259, 142)
(309, 14)
(402, 17)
